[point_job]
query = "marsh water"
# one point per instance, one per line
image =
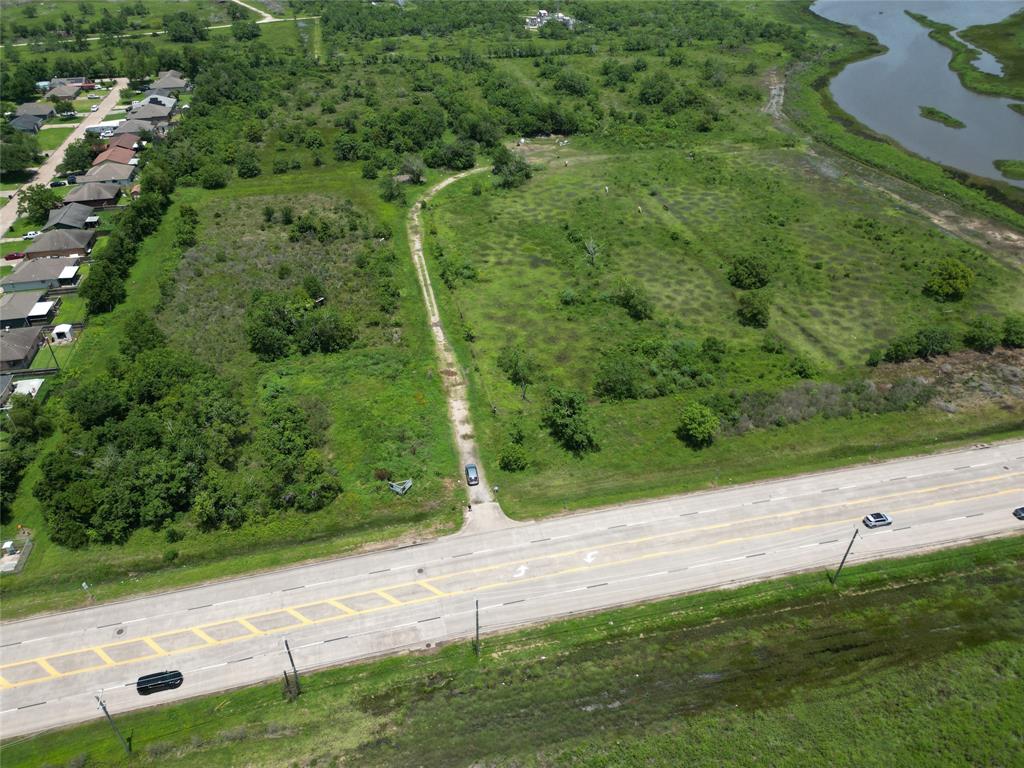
(885, 92)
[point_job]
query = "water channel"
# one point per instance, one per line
(885, 92)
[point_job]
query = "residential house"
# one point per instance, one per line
(26, 308)
(109, 171)
(152, 113)
(63, 92)
(41, 109)
(94, 194)
(138, 126)
(82, 82)
(152, 97)
(167, 82)
(103, 127)
(116, 155)
(18, 346)
(61, 242)
(69, 216)
(125, 140)
(27, 123)
(42, 275)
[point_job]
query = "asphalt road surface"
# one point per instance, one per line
(232, 633)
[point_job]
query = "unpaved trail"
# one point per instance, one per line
(484, 512)
(776, 95)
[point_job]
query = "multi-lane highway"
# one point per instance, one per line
(232, 633)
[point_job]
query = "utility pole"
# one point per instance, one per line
(476, 643)
(835, 577)
(127, 746)
(46, 338)
(298, 689)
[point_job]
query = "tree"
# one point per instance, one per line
(78, 156)
(698, 425)
(184, 27)
(324, 330)
(984, 333)
(950, 280)
(634, 298)
(513, 458)
(1013, 331)
(245, 29)
(414, 168)
(566, 418)
(36, 201)
(95, 402)
(247, 164)
(391, 190)
(103, 289)
(519, 366)
(213, 176)
(754, 309)
(18, 150)
(140, 333)
(654, 88)
(510, 168)
(750, 271)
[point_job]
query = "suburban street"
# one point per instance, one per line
(47, 172)
(232, 633)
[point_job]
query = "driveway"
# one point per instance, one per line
(48, 170)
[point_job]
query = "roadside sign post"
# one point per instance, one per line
(127, 746)
(476, 643)
(835, 577)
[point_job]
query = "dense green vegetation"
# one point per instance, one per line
(720, 300)
(931, 113)
(1003, 39)
(908, 662)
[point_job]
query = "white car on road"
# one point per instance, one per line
(877, 520)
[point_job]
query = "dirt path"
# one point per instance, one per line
(484, 512)
(48, 170)
(264, 16)
(776, 95)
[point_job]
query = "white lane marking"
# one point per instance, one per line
(520, 571)
(590, 557)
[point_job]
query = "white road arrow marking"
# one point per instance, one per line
(590, 557)
(520, 572)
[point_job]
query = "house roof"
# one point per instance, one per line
(40, 108)
(17, 306)
(27, 123)
(61, 240)
(126, 140)
(18, 343)
(31, 270)
(116, 154)
(72, 215)
(151, 112)
(93, 190)
(64, 92)
(110, 171)
(132, 126)
(144, 98)
(168, 79)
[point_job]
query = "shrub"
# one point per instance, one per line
(213, 176)
(510, 168)
(1013, 331)
(170, 555)
(391, 190)
(926, 343)
(754, 309)
(749, 272)
(949, 281)
(698, 425)
(247, 165)
(280, 165)
(635, 300)
(174, 535)
(513, 458)
(984, 333)
(414, 168)
(566, 418)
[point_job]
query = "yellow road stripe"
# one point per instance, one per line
(431, 587)
(393, 602)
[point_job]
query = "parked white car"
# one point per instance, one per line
(94, 107)
(30, 235)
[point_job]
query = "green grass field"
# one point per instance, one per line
(51, 138)
(848, 269)
(909, 662)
